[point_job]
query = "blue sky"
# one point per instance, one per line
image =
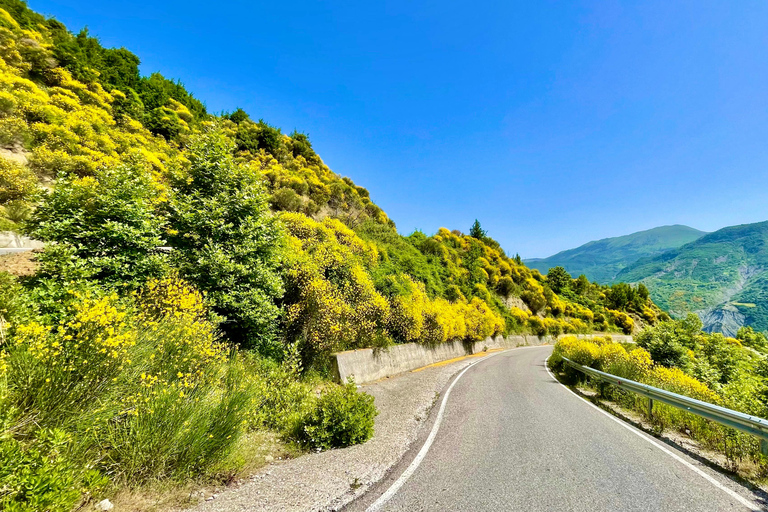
(553, 123)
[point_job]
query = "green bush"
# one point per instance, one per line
(108, 221)
(286, 199)
(227, 242)
(342, 417)
(41, 476)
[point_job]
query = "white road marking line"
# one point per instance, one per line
(428, 443)
(642, 435)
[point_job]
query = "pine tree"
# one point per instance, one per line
(476, 231)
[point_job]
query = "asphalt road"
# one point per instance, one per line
(512, 438)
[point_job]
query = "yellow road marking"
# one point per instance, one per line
(449, 361)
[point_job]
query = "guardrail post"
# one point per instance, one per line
(650, 408)
(764, 447)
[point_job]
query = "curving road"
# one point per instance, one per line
(512, 438)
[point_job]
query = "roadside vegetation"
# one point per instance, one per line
(678, 356)
(198, 273)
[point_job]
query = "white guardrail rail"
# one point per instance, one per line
(728, 417)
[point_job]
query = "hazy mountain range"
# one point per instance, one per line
(721, 276)
(602, 260)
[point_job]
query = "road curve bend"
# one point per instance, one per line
(513, 438)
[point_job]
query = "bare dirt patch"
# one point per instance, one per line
(19, 264)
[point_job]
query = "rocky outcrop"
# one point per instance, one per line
(725, 318)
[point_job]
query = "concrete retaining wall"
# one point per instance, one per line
(369, 364)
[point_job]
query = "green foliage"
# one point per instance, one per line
(226, 242)
(15, 304)
(749, 338)
(165, 122)
(341, 417)
(41, 476)
(403, 255)
(238, 116)
(666, 343)
(107, 221)
(476, 231)
(558, 279)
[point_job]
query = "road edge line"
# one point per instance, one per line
(413, 466)
(733, 494)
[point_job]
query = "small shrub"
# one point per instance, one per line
(41, 477)
(16, 181)
(342, 417)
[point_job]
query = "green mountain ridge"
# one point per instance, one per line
(722, 276)
(602, 260)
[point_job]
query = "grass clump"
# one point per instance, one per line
(125, 392)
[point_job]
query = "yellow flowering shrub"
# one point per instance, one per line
(16, 182)
(171, 296)
(63, 125)
(173, 311)
(3, 363)
(96, 336)
(637, 365)
(677, 381)
(622, 320)
(331, 302)
(520, 315)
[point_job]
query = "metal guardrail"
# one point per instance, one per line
(746, 423)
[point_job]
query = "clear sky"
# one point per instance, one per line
(553, 123)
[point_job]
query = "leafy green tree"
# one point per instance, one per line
(156, 90)
(302, 146)
(225, 240)
(107, 221)
(750, 338)
(127, 104)
(476, 231)
(238, 116)
(559, 279)
(165, 122)
(666, 343)
(269, 138)
(581, 285)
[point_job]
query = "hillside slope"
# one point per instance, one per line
(722, 276)
(72, 111)
(602, 260)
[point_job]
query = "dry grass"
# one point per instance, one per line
(254, 451)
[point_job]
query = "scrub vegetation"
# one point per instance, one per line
(198, 273)
(678, 356)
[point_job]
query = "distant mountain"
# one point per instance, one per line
(722, 276)
(602, 260)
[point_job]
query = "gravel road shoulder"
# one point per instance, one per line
(327, 481)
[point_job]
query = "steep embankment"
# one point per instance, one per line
(722, 276)
(602, 260)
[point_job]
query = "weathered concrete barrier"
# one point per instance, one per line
(370, 364)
